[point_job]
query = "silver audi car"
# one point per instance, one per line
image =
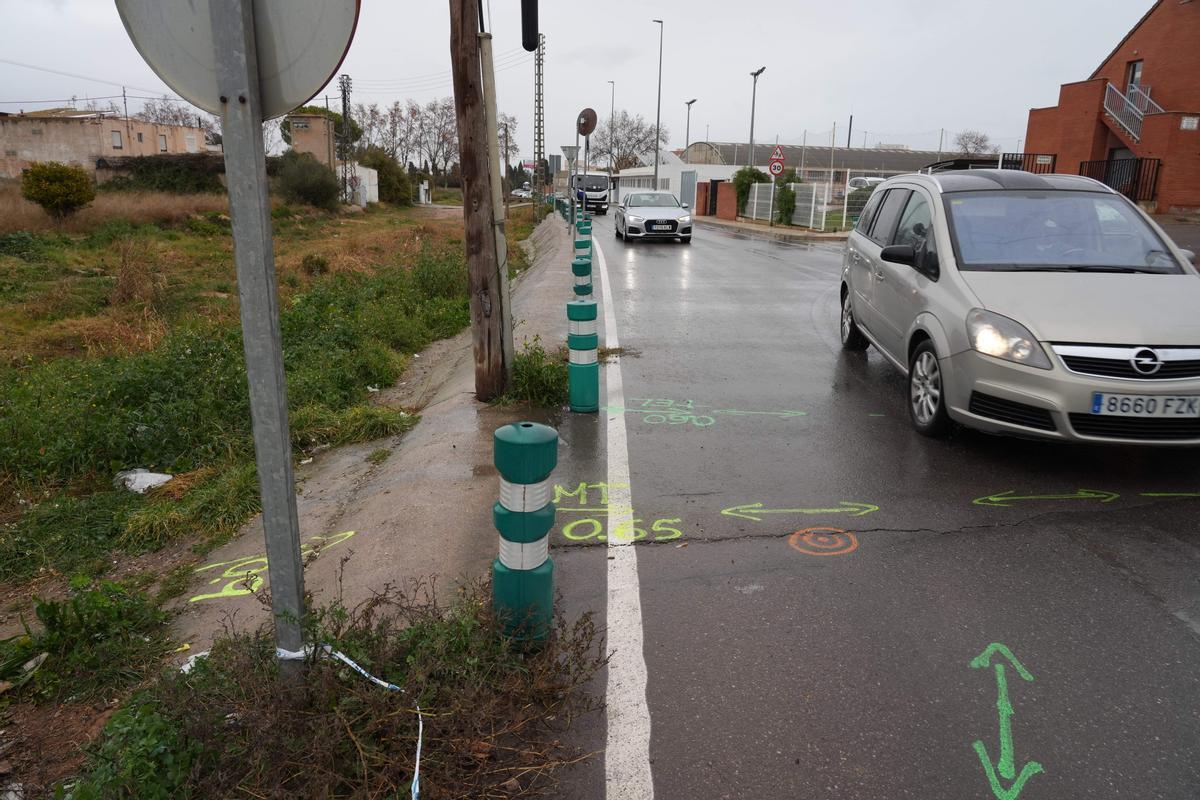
(1033, 305)
(653, 215)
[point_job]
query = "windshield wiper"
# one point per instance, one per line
(1076, 268)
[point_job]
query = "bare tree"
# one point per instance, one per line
(401, 134)
(510, 148)
(439, 134)
(974, 143)
(373, 123)
(627, 139)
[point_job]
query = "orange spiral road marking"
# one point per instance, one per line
(823, 541)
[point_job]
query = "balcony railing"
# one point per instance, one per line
(1129, 110)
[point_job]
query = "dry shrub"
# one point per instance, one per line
(495, 714)
(137, 278)
(100, 335)
(18, 214)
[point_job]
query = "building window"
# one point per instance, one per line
(116, 140)
(1189, 123)
(139, 136)
(162, 143)
(190, 141)
(1133, 74)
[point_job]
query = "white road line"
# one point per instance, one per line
(627, 750)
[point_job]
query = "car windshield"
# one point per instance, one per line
(592, 183)
(652, 201)
(1054, 232)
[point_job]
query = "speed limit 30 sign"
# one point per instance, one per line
(775, 168)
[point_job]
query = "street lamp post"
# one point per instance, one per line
(658, 112)
(753, 99)
(687, 136)
(612, 139)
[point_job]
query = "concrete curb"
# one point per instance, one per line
(774, 234)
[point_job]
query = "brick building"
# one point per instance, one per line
(83, 138)
(1135, 122)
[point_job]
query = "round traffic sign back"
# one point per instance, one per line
(586, 122)
(775, 168)
(300, 43)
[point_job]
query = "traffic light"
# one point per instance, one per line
(529, 25)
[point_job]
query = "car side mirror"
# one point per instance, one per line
(685, 205)
(1189, 255)
(900, 254)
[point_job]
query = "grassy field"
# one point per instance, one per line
(449, 196)
(120, 348)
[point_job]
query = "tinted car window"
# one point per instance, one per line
(916, 223)
(868, 213)
(889, 213)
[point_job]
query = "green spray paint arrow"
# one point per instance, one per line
(1170, 494)
(754, 511)
(1005, 768)
(1005, 499)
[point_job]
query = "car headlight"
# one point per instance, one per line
(685, 219)
(1001, 337)
(634, 218)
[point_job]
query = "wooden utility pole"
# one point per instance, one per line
(482, 266)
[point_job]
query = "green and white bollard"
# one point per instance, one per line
(583, 246)
(582, 269)
(523, 574)
(584, 368)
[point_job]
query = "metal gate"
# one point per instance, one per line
(687, 187)
(1136, 178)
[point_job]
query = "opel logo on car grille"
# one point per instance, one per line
(1146, 361)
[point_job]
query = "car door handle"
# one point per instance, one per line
(879, 276)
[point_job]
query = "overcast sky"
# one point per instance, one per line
(905, 69)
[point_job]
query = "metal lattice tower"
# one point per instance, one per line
(344, 85)
(539, 120)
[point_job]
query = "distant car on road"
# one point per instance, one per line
(864, 183)
(523, 194)
(1035, 305)
(653, 215)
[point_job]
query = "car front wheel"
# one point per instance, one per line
(927, 392)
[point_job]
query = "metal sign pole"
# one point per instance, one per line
(254, 255)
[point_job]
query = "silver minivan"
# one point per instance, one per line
(1045, 306)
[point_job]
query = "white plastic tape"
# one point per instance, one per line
(582, 356)
(525, 496)
(530, 555)
(581, 327)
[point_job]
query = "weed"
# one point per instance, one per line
(143, 754)
(136, 280)
(379, 456)
(319, 425)
(494, 713)
(22, 245)
(539, 378)
(314, 264)
(175, 582)
(100, 638)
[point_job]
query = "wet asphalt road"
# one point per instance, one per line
(836, 664)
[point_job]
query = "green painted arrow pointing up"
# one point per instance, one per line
(1004, 499)
(755, 511)
(1005, 768)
